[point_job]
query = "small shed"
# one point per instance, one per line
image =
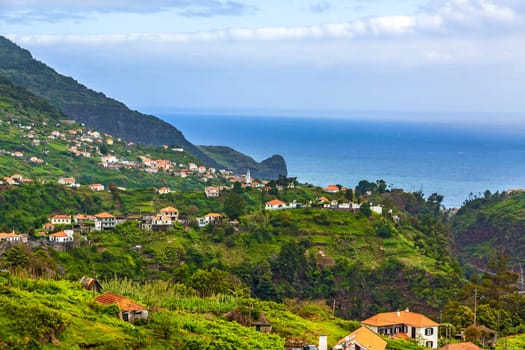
(90, 283)
(130, 311)
(262, 324)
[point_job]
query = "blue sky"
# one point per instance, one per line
(305, 56)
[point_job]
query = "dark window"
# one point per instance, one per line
(429, 344)
(429, 331)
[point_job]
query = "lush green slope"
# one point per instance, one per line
(94, 108)
(490, 226)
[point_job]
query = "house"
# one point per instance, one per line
(461, 346)
(405, 324)
(10, 237)
(377, 209)
(163, 190)
(104, 221)
(68, 181)
(331, 189)
(48, 227)
(60, 219)
(128, 309)
(96, 187)
(61, 237)
(172, 213)
(361, 339)
(82, 218)
(201, 169)
(193, 166)
(109, 159)
(213, 217)
(211, 191)
(275, 205)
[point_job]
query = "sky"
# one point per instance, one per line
(309, 56)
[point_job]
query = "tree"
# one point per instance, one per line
(365, 210)
(16, 258)
(234, 205)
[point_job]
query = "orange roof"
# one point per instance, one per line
(324, 199)
(400, 317)
(461, 346)
(61, 216)
(275, 202)
(59, 234)
(365, 337)
(7, 235)
(215, 215)
(122, 302)
(104, 215)
(169, 209)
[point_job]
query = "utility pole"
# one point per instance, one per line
(475, 306)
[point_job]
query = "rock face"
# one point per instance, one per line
(96, 110)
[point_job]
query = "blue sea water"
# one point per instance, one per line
(455, 161)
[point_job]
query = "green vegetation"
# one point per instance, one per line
(108, 115)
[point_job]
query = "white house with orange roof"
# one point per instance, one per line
(61, 237)
(68, 181)
(331, 189)
(163, 190)
(96, 187)
(212, 191)
(105, 221)
(405, 324)
(275, 204)
(60, 219)
(172, 213)
(10, 237)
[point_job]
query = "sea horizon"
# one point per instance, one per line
(458, 161)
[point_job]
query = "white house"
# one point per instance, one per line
(377, 209)
(68, 181)
(62, 236)
(211, 191)
(96, 187)
(170, 212)
(405, 324)
(104, 221)
(10, 237)
(275, 205)
(60, 219)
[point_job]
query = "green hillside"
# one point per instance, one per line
(96, 110)
(490, 226)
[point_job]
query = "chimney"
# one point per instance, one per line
(323, 342)
(398, 313)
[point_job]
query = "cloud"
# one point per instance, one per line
(56, 10)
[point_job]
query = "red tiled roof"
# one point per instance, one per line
(461, 346)
(400, 317)
(104, 215)
(122, 302)
(59, 234)
(169, 209)
(275, 202)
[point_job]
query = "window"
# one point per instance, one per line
(429, 331)
(429, 344)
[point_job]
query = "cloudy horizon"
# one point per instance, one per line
(430, 55)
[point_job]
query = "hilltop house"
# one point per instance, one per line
(10, 237)
(163, 190)
(129, 310)
(361, 339)
(405, 324)
(104, 221)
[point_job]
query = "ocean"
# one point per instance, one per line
(455, 161)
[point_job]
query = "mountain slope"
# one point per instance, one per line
(494, 224)
(269, 168)
(89, 107)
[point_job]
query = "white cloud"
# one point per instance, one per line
(56, 10)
